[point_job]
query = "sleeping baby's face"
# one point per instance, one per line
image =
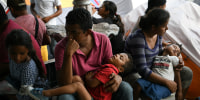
(173, 50)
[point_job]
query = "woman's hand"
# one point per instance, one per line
(172, 86)
(93, 10)
(113, 84)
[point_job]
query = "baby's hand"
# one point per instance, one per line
(89, 75)
(179, 66)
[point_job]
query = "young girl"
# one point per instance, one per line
(24, 65)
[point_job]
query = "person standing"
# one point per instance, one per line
(18, 10)
(46, 10)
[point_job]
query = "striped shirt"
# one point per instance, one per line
(142, 55)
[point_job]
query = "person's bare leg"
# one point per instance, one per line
(136, 91)
(184, 92)
(69, 89)
(77, 78)
(83, 93)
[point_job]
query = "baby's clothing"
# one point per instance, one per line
(163, 65)
(23, 74)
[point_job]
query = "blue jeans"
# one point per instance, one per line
(124, 92)
(153, 90)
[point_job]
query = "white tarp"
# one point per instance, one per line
(4, 4)
(184, 25)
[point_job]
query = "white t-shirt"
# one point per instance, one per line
(163, 65)
(47, 8)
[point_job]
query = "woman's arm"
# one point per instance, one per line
(136, 46)
(155, 78)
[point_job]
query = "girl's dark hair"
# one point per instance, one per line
(3, 16)
(81, 17)
(154, 17)
(20, 37)
(112, 8)
(17, 4)
(154, 3)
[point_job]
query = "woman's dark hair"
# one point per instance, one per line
(17, 4)
(20, 37)
(3, 16)
(154, 3)
(154, 17)
(112, 8)
(81, 17)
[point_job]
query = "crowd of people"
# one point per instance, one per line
(91, 65)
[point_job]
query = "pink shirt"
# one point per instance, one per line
(28, 22)
(102, 74)
(3, 50)
(81, 64)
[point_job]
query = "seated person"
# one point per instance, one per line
(146, 43)
(24, 64)
(108, 12)
(164, 65)
(94, 80)
(32, 24)
(91, 45)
